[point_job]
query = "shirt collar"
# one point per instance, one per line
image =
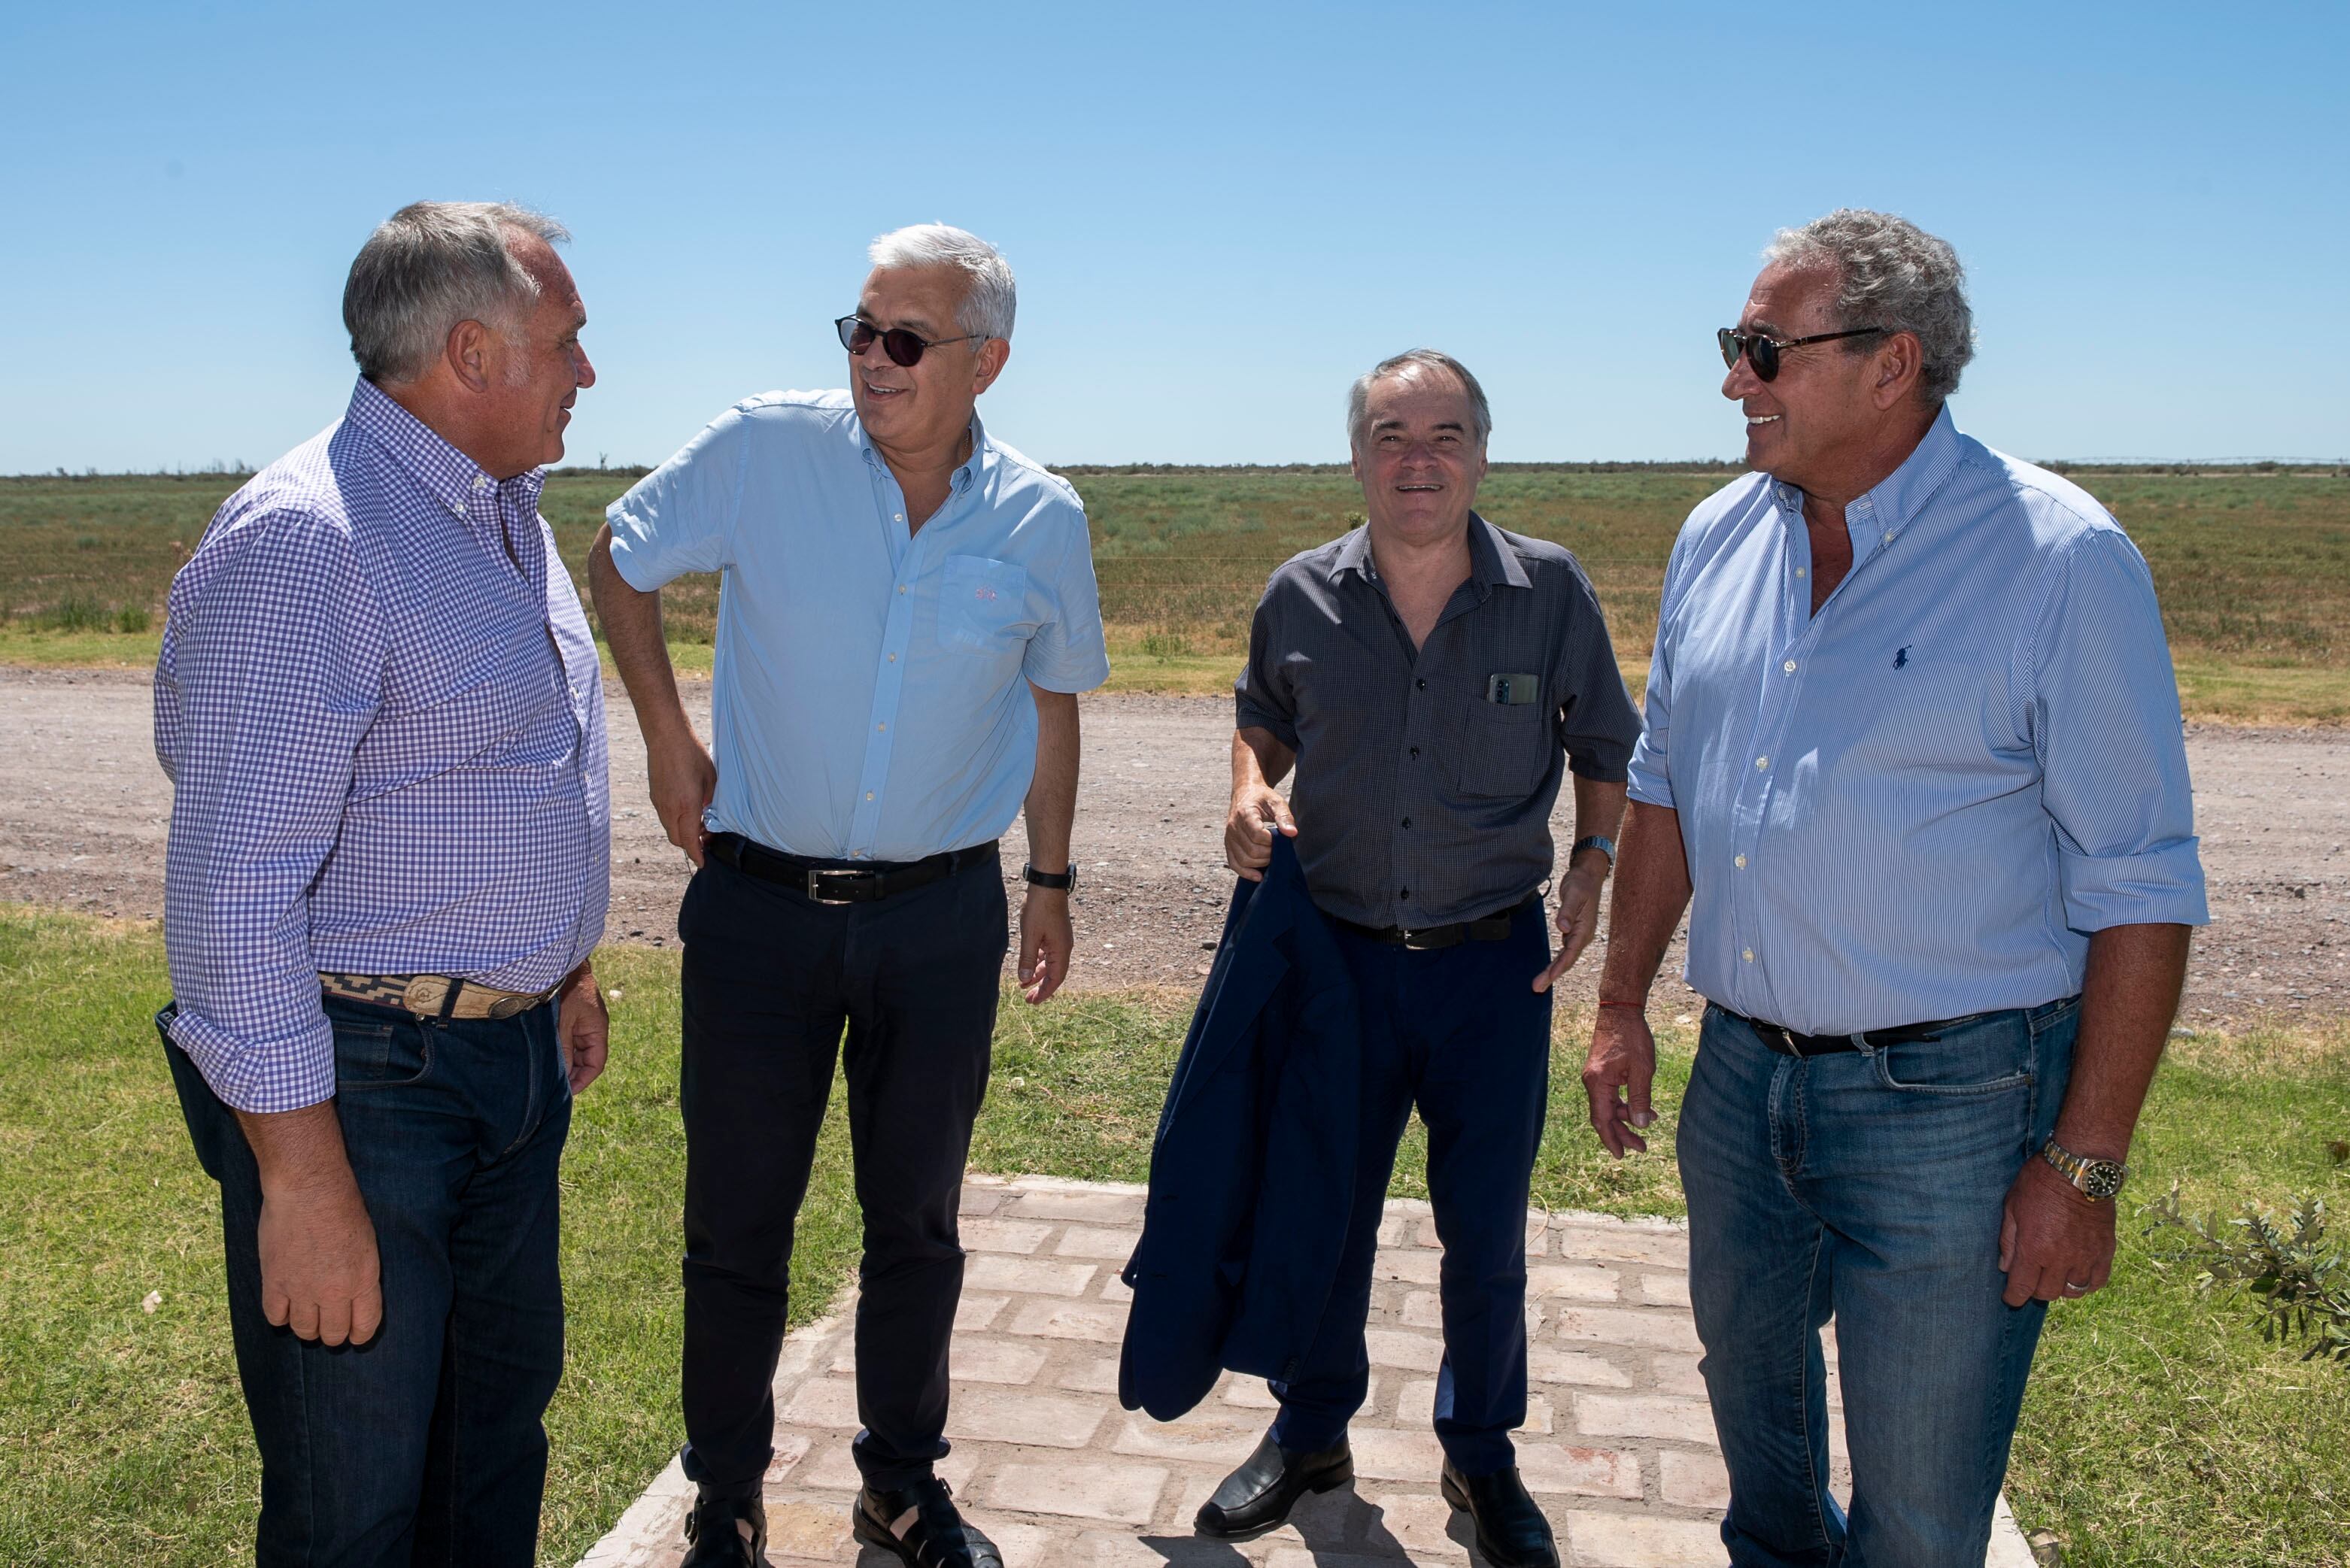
(443, 473)
(1492, 563)
(1900, 496)
(982, 453)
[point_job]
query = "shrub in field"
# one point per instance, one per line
(2299, 1280)
(75, 612)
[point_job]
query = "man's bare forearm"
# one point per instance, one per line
(1259, 759)
(1051, 809)
(2128, 1001)
(1652, 888)
(1599, 813)
(631, 624)
(298, 1151)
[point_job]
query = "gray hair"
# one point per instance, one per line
(1358, 397)
(989, 302)
(430, 265)
(1894, 275)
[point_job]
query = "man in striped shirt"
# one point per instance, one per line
(380, 708)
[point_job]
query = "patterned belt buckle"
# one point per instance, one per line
(427, 994)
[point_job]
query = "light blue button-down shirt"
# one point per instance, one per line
(1918, 803)
(871, 699)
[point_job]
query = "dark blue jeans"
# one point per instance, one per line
(1866, 1187)
(422, 1446)
(1460, 1032)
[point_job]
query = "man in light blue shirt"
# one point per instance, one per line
(1913, 764)
(907, 612)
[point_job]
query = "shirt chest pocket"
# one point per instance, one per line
(983, 605)
(1504, 749)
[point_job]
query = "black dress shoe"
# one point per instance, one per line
(936, 1537)
(726, 1533)
(1510, 1531)
(1260, 1494)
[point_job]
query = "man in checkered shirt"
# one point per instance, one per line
(380, 708)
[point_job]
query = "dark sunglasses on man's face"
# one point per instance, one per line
(902, 346)
(1763, 353)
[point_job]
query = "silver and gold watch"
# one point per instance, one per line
(2097, 1179)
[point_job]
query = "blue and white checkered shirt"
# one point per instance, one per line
(382, 714)
(1920, 801)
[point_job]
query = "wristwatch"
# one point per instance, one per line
(2099, 1180)
(1604, 846)
(1059, 881)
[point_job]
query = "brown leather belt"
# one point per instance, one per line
(434, 995)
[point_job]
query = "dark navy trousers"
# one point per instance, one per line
(424, 1445)
(1460, 1033)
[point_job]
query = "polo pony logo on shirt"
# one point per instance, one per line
(984, 592)
(1901, 656)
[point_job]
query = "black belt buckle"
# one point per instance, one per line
(1429, 938)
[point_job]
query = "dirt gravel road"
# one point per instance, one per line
(83, 809)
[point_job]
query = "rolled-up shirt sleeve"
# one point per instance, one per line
(2104, 722)
(1597, 723)
(1261, 700)
(270, 673)
(1650, 770)
(681, 517)
(1067, 652)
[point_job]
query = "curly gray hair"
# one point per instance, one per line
(1894, 275)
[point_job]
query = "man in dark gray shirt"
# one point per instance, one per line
(1432, 679)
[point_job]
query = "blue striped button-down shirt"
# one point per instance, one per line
(1919, 803)
(871, 696)
(381, 711)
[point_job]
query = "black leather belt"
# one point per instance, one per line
(830, 881)
(1787, 1043)
(1490, 928)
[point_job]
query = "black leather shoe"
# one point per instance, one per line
(1510, 1531)
(936, 1537)
(1260, 1494)
(726, 1533)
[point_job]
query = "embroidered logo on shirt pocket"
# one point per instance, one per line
(982, 604)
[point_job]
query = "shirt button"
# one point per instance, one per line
(1799, 571)
(1415, 754)
(1789, 667)
(481, 481)
(880, 726)
(1407, 821)
(1748, 955)
(1740, 862)
(868, 795)
(898, 517)
(1762, 761)
(901, 587)
(1405, 894)
(1888, 539)
(1421, 684)
(893, 658)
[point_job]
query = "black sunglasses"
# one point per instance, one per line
(902, 346)
(1763, 353)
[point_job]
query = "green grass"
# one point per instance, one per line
(2160, 1429)
(2253, 567)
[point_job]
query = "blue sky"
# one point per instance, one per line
(1218, 215)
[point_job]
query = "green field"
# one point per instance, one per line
(2253, 567)
(2160, 1429)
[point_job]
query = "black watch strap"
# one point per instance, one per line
(1060, 882)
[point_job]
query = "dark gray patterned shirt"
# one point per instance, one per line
(1425, 783)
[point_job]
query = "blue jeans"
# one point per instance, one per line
(424, 1445)
(1460, 1032)
(1866, 1187)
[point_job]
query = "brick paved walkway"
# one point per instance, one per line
(1618, 1445)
